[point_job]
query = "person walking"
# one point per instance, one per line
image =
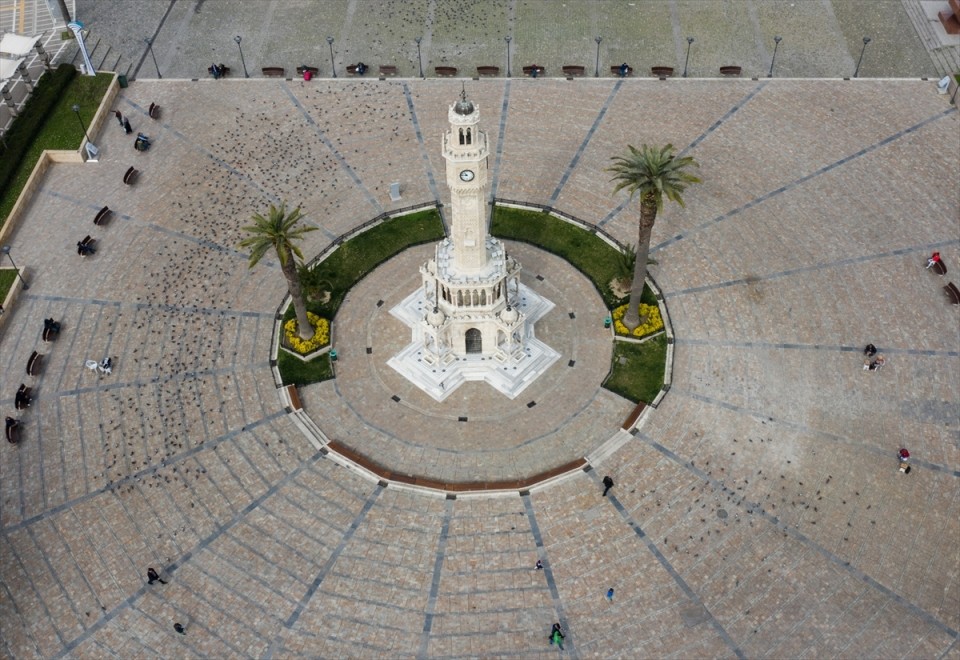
(179, 628)
(127, 128)
(119, 116)
(153, 576)
(610, 594)
(607, 485)
(556, 636)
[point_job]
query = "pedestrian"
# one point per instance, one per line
(877, 364)
(870, 350)
(106, 365)
(127, 128)
(904, 457)
(539, 565)
(153, 576)
(933, 259)
(556, 636)
(116, 113)
(624, 70)
(610, 594)
(180, 629)
(607, 485)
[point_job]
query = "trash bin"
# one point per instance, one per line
(333, 355)
(607, 322)
(122, 79)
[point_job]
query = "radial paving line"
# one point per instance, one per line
(717, 124)
(757, 508)
(850, 261)
(333, 150)
(802, 180)
(354, 526)
(430, 609)
(586, 140)
(504, 107)
(431, 181)
(146, 472)
(547, 570)
(202, 545)
(690, 593)
(769, 345)
(805, 429)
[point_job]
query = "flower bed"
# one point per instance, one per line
(321, 335)
(651, 312)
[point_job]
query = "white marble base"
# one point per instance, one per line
(508, 374)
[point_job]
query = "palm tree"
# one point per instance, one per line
(655, 174)
(277, 231)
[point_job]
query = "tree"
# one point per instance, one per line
(277, 231)
(654, 174)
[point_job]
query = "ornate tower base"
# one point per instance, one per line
(507, 372)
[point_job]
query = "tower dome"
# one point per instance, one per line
(463, 106)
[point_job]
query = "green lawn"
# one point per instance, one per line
(588, 253)
(60, 131)
(296, 372)
(637, 372)
(7, 277)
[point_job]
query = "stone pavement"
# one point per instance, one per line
(820, 39)
(757, 512)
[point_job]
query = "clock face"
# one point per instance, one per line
(466, 175)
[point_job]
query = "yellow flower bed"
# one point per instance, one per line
(654, 322)
(320, 338)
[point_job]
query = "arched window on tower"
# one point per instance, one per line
(461, 136)
(469, 137)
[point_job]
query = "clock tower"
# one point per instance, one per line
(465, 150)
(472, 319)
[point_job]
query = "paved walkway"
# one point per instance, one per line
(757, 512)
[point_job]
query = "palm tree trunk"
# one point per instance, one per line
(304, 329)
(648, 215)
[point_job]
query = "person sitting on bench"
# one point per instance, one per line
(23, 398)
(142, 142)
(51, 325)
(106, 365)
(361, 68)
(933, 260)
(624, 70)
(217, 70)
(84, 249)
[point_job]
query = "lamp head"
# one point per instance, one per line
(330, 40)
(777, 39)
(866, 40)
(689, 40)
(508, 38)
(76, 108)
(418, 39)
(598, 39)
(5, 249)
(237, 39)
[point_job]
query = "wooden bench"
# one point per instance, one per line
(615, 70)
(352, 70)
(445, 71)
(154, 111)
(388, 70)
(33, 364)
(130, 177)
(294, 397)
(488, 71)
(953, 293)
(939, 268)
(529, 70)
(13, 431)
(314, 71)
(661, 72)
(24, 397)
(102, 216)
(730, 71)
(572, 70)
(85, 246)
(273, 71)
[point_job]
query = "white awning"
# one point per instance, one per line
(8, 68)
(16, 45)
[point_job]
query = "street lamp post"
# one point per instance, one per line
(242, 61)
(76, 110)
(508, 39)
(419, 60)
(866, 40)
(597, 72)
(6, 250)
(149, 43)
(332, 65)
(689, 42)
(776, 44)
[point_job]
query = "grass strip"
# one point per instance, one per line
(637, 372)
